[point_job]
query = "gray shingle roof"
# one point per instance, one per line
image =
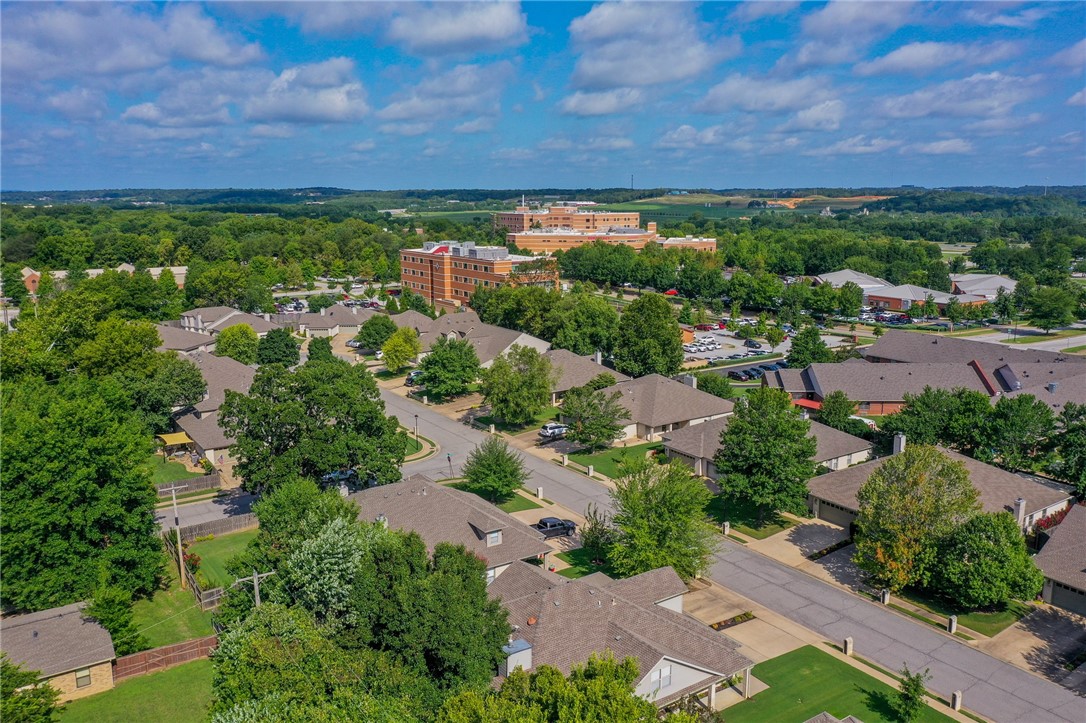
(204, 430)
(1072, 389)
(576, 371)
(655, 400)
(910, 292)
(909, 346)
(55, 641)
(703, 440)
(837, 279)
(825, 717)
(986, 285)
(415, 320)
(1018, 376)
(1063, 558)
(566, 621)
(177, 339)
(337, 315)
(443, 514)
(217, 318)
(220, 373)
(889, 382)
(488, 340)
(997, 488)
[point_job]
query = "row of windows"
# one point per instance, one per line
(1068, 588)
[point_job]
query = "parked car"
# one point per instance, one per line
(771, 367)
(552, 431)
(751, 344)
(379, 355)
(755, 373)
(739, 376)
(706, 327)
(340, 477)
(354, 344)
(781, 363)
(413, 378)
(554, 527)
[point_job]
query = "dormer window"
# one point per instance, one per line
(661, 678)
(493, 538)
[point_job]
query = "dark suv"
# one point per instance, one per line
(554, 527)
(751, 344)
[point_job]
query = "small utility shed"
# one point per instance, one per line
(1063, 562)
(73, 654)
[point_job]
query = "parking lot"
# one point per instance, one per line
(730, 346)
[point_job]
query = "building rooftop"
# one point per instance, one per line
(177, 339)
(837, 279)
(220, 373)
(488, 340)
(908, 346)
(910, 292)
(655, 400)
(1063, 558)
(55, 641)
(576, 371)
(204, 430)
(986, 285)
(415, 320)
(877, 382)
(703, 440)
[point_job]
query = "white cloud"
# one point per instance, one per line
(363, 146)
(79, 104)
(325, 92)
(433, 148)
(1073, 56)
(841, 30)
(153, 115)
(405, 129)
(925, 57)
(1078, 98)
(635, 44)
(855, 146)
(764, 94)
(267, 130)
(1035, 151)
(460, 91)
(607, 143)
(336, 19)
(538, 94)
(455, 27)
(687, 136)
(949, 146)
(1003, 124)
(825, 116)
(475, 125)
(513, 156)
(584, 103)
(983, 95)
(993, 14)
(757, 9)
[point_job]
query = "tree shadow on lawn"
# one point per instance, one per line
(879, 702)
(743, 514)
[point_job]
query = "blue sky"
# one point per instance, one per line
(492, 95)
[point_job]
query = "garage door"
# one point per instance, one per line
(835, 514)
(1069, 598)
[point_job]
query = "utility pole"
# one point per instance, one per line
(417, 430)
(177, 529)
(255, 580)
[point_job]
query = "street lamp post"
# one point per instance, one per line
(417, 430)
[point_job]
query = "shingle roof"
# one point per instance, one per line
(997, 488)
(177, 339)
(703, 440)
(909, 346)
(889, 382)
(837, 279)
(488, 340)
(217, 318)
(572, 619)
(825, 717)
(1063, 558)
(655, 400)
(443, 514)
(1018, 376)
(204, 430)
(336, 315)
(220, 373)
(576, 371)
(1072, 389)
(210, 314)
(911, 292)
(986, 285)
(415, 320)
(55, 641)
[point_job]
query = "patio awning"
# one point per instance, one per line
(172, 439)
(807, 403)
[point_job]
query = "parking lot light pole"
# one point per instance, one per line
(417, 430)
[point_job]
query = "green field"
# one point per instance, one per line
(172, 615)
(744, 518)
(214, 554)
(807, 682)
(179, 695)
(516, 503)
(167, 471)
(608, 461)
(1034, 337)
(988, 623)
(580, 564)
(549, 414)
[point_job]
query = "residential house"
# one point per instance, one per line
(71, 653)
(489, 341)
(909, 347)
(413, 319)
(832, 497)
(698, 445)
(439, 513)
(330, 321)
(576, 371)
(1063, 562)
(201, 422)
(213, 319)
(904, 297)
(562, 623)
(657, 405)
(174, 338)
(986, 285)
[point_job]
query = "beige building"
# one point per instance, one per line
(576, 218)
(71, 653)
(657, 405)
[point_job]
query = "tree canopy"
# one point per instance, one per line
(808, 348)
(375, 331)
(984, 563)
(518, 384)
(277, 347)
(401, 347)
(239, 342)
(494, 470)
(449, 367)
(648, 340)
(594, 417)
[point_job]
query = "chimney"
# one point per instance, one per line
(267, 317)
(200, 321)
(690, 380)
(322, 311)
(1052, 387)
(1020, 511)
(899, 443)
(518, 654)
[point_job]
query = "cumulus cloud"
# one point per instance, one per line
(1078, 98)
(405, 129)
(919, 58)
(584, 103)
(841, 30)
(475, 125)
(452, 27)
(460, 91)
(687, 136)
(363, 146)
(272, 130)
(625, 44)
(757, 9)
(825, 116)
(764, 94)
(855, 146)
(79, 104)
(982, 95)
(1003, 124)
(950, 146)
(999, 15)
(325, 92)
(153, 115)
(1073, 56)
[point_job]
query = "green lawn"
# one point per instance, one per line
(179, 695)
(516, 503)
(807, 681)
(744, 518)
(607, 462)
(215, 553)
(1034, 337)
(580, 564)
(385, 374)
(986, 623)
(172, 615)
(549, 414)
(439, 399)
(1075, 349)
(167, 471)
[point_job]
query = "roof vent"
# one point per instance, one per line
(556, 603)
(532, 621)
(35, 633)
(1052, 387)
(618, 637)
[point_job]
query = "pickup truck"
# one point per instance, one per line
(554, 527)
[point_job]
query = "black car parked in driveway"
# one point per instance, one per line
(554, 527)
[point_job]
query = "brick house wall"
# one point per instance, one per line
(67, 684)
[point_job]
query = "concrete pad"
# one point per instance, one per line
(761, 640)
(1040, 642)
(794, 545)
(731, 696)
(837, 568)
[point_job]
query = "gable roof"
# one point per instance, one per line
(220, 373)
(415, 320)
(986, 285)
(908, 346)
(217, 318)
(878, 382)
(488, 340)
(204, 430)
(439, 513)
(333, 316)
(576, 371)
(1063, 558)
(655, 400)
(566, 621)
(177, 339)
(997, 488)
(703, 440)
(911, 292)
(55, 641)
(837, 279)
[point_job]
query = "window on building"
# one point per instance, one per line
(490, 575)
(493, 538)
(660, 678)
(82, 678)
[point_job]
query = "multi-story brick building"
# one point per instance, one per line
(446, 273)
(570, 217)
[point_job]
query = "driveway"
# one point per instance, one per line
(1042, 642)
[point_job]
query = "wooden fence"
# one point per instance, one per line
(192, 484)
(207, 599)
(234, 523)
(150, 661)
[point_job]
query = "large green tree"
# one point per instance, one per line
(375, 331)
(112, 608)
(1051, 307)
(495, 471)
(22, 700)
(808, 348)
(449, 367)
(1018, 429)
(660, 518)
(984, 563)
(850, 297)
(1069, 443)
(715, 384)
(766, 420)
(594, 417)
(648, 340)
(400, 348)
(239, 342)
(323, 416)
(958, 418)
(518, 384)
(277, 347)
(912, 502)
(584, 324)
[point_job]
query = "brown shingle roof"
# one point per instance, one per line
(411, 318)
(908, 346)
(655, 400)
(889, 382)
(220, 373)
(337, 315)
(575, 618)
(1067, 390)
(576, 371)
(1018, 376)
(488, 340)
(55, 641)
(1063, 558)
(703, 440)
(177, 339)
(443, 514)
(204, 430)
(997, 488)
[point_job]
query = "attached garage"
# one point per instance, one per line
(1063, 562)
(831, 512)
(1067, 597)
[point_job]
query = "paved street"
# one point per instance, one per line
(195, 513)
